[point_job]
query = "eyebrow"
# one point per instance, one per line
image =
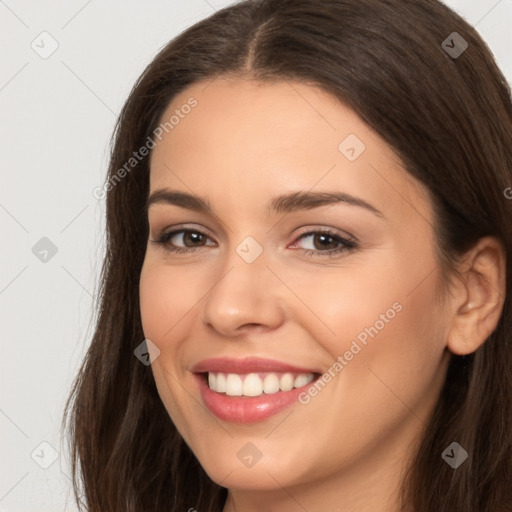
(287, 203)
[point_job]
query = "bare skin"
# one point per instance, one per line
(243, 144)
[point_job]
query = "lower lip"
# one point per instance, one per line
(244, 409)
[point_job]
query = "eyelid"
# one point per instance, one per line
(185, 227)
(348, 242)
(333, 231)
(307, 230)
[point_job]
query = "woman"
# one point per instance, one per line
(305, 300)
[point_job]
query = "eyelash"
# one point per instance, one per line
(347, 244)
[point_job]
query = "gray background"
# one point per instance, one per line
(57, 116)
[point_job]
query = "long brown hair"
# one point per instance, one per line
(447, 116)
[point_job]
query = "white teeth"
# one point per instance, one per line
(233, 385)
(254, 384)
(220, 383)
(271, 383)
(302, 380)
(286, 382)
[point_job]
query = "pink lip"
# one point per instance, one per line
(241, 409)
(247, 365)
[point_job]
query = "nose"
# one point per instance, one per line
(244, 297)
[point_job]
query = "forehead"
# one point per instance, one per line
(267, 116)
(260, 137)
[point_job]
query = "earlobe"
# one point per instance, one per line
(479, 297)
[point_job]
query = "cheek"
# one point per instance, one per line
(166, 296)
(386, 304)
(398, 373)
(165, 301)
(154, 296)
(391, 373)
(161, 307)
(386, 325)
(359, 303)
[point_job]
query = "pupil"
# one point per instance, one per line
(195, 237)
(324, 237)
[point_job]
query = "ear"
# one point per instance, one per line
(478, 296)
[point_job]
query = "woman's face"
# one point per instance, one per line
(280, 286)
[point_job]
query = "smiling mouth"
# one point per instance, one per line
(256, 384)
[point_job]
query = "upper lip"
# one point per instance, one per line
(246, 365)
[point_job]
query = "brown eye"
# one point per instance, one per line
(191, 240)
(326, 242)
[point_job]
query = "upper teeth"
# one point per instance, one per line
(254, 384)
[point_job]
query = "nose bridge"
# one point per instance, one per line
(242, 292)
(245, 262)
